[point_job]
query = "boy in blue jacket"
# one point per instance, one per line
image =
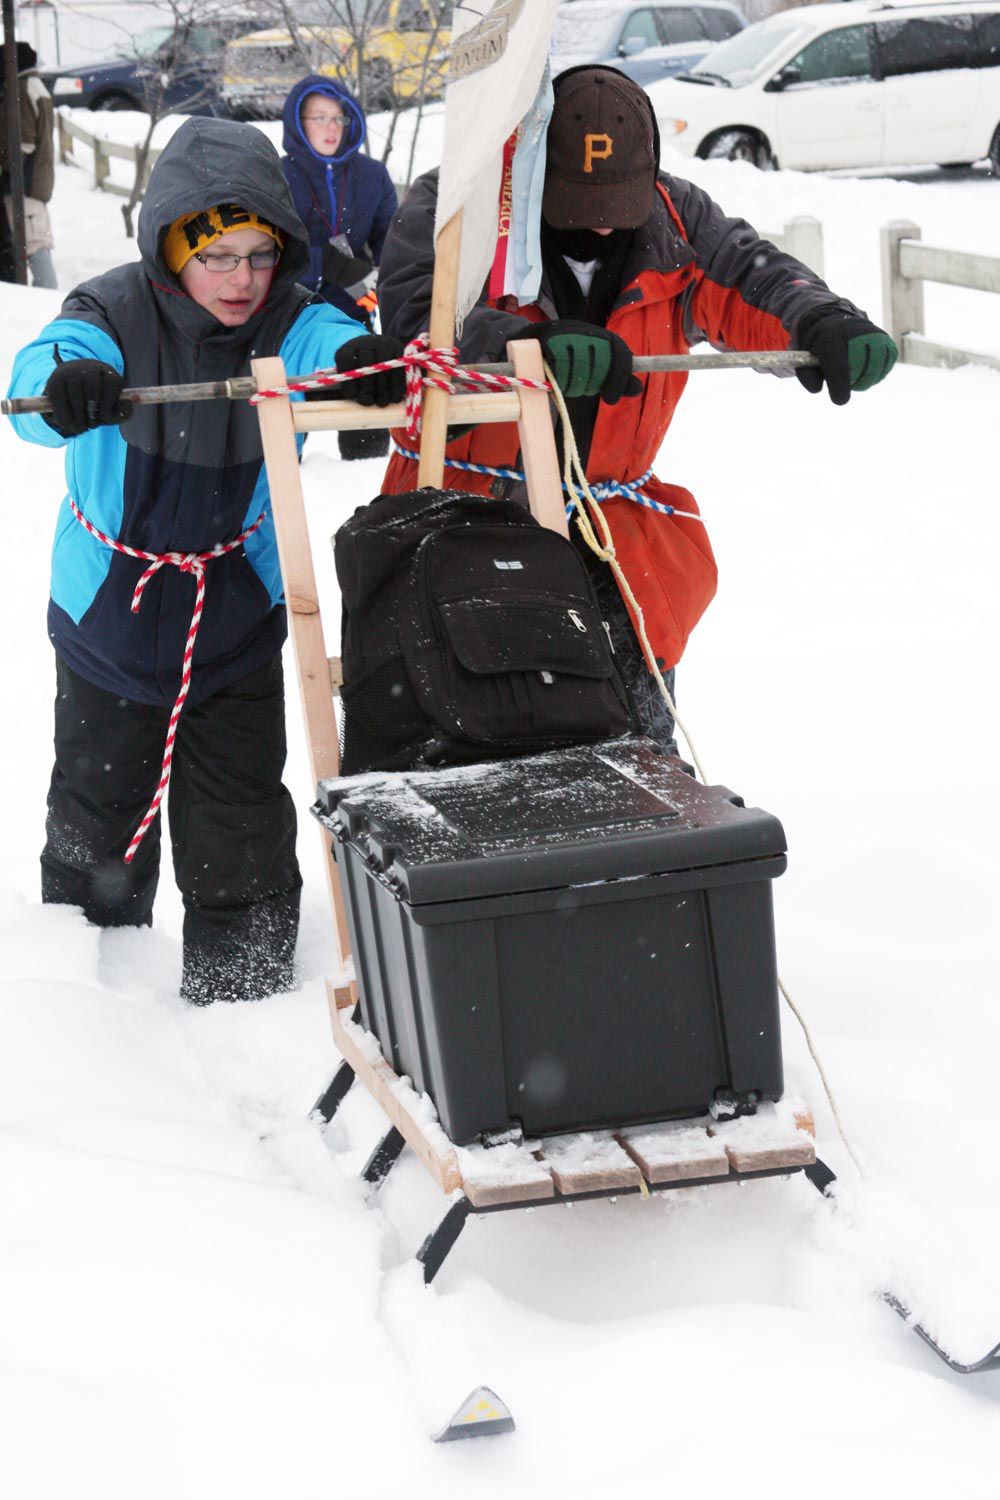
(222, 250)
(346, 200)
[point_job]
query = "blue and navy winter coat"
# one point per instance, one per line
(179, 477)
(347, 194)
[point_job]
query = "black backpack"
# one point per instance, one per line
(469, 632)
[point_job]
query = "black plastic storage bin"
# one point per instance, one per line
(578, 939)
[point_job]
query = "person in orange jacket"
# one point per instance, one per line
(635, 262)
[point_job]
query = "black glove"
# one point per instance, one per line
(371, 390)
(586, 360)
(84, 393)
(352, 272)
(853, 353)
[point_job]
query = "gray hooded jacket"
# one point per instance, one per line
(178, 477)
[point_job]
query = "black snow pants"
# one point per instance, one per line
(232, 826)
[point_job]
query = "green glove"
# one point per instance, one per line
(853, 353)
(586, 360)
(870, 356)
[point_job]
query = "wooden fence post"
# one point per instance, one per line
(65, 140)
(102, 165)
(902, 298)
(804, 239)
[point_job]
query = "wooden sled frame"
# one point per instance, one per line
(281, 421)
(511, 1174)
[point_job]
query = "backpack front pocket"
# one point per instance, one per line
(517, 655)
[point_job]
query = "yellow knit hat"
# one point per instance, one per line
(191, 233)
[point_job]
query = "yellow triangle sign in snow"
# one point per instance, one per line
(482, 1414)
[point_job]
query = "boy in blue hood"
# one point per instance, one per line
(149, 489)
(346, 200)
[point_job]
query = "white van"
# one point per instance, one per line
(858, 84)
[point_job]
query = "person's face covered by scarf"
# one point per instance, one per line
(600, 173)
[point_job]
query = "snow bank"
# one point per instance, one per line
(196, 1299)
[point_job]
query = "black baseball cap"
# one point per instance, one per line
(600, 170)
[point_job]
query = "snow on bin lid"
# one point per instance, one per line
(577, 816)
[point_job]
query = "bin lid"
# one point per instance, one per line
(610, 811)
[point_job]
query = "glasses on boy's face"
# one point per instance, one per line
(220, 265)
(324, 120)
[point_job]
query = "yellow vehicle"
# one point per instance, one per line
(385, 52)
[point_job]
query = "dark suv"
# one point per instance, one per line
(187, 60)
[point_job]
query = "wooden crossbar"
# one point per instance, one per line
(348, 416)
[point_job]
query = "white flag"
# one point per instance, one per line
(499, 49)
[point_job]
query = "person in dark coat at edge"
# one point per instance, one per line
(346, 200)
(635, 262)
(222, 252)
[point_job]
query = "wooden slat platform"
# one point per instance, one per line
(510, 1173)
(676, 1150)
(589, 1163)
(778, 1135)
(601, 1161)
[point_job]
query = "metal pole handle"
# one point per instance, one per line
(245, 386)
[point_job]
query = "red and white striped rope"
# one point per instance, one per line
(424, 366)
(188, 562)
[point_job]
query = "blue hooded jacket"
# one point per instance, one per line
(184, 476)
(347, 194)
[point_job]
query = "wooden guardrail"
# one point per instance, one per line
(801, 236)
(103, 151)
(906, 264)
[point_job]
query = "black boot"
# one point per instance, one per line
(246, 958)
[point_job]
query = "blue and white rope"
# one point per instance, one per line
(602, 489)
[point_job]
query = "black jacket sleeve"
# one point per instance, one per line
(747, 294)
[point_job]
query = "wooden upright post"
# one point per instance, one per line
(434, 426)
(302, 599)
(538, 442)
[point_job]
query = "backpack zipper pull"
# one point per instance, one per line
(577, 621)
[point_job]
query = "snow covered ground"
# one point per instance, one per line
(196, 1299)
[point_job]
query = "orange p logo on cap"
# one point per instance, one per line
(592, 154)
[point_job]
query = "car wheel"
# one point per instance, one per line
(115, 101)
(738, 145)
(995, 152)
